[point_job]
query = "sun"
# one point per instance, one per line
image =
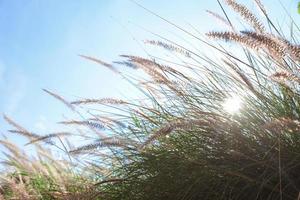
(232, 104)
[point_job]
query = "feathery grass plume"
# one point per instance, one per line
(231, 36)
(220, 18)
(13, 123)
(295, 51)
(127, 64)
(155, 71)
(103, 143)
(247, 15)
(148, 66)
(61, 99)
(20, 130)
(48, 136)
(283, 123)
(173, 125)
(12, 148)
(254, 41)
(25, 133)
(31, 136)
(99, 101)
(109, 66)
(20, 191)
(108, 121)
(158, 72)
(282, 43)
(268, 42)
(292, 49)
(169, 47)
(95, 127)
(84, 123)
(284, 76)
(114, 180)
(37, 178)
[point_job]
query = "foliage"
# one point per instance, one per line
(179, 142)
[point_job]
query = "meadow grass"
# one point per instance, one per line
(179, 142)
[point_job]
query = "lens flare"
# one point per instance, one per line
(232, 104)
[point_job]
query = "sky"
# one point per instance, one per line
(40, 41)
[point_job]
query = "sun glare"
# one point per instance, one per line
(232, 104)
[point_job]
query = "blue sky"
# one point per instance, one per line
(40, 41)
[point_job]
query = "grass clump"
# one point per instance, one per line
(180, 142)
(41, 177)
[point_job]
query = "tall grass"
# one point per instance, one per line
(179, 142)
